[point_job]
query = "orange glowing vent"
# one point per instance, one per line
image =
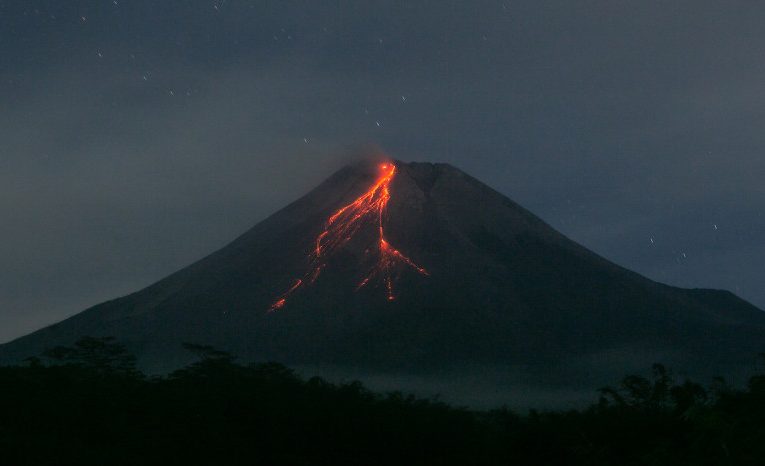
(342, 225)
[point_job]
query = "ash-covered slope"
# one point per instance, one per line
(502, 290)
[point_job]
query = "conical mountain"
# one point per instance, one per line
(420, 269)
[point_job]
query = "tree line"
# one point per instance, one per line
(89, 404)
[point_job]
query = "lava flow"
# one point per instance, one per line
(344, 224)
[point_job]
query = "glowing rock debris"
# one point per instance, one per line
(342, 225)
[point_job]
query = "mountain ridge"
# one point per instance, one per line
(504, 289)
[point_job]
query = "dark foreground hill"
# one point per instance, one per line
(420, 277)
(95, 409)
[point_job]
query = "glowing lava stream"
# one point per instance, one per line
(344, 224)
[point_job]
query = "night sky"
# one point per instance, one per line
(138, 136)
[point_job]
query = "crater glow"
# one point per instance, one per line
(343, 225)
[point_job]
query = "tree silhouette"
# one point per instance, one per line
(80, 408)
(101, 354)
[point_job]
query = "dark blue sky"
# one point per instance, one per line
(138, 136)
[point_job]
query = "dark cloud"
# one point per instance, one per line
(140, 136)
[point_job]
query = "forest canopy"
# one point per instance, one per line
(88, 404)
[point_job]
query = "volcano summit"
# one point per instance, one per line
(418, 276)
(343, 225)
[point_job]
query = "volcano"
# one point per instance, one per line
(419, 277)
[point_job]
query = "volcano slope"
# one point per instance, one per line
(417, 276)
